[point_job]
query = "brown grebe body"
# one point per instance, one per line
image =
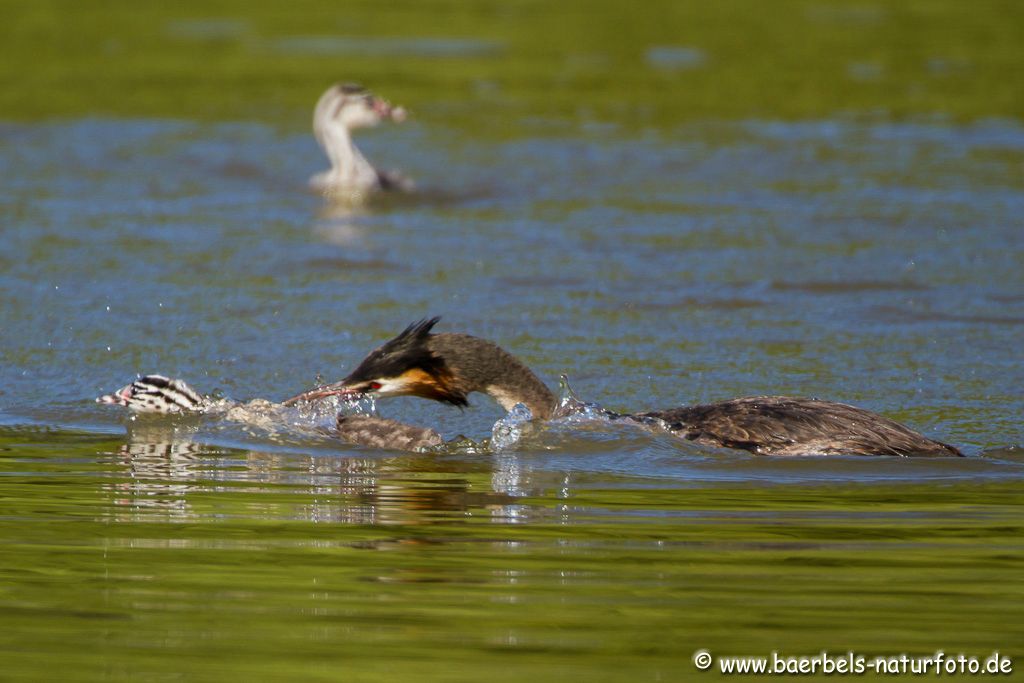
(447, 367)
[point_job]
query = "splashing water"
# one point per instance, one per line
(360, 405)
(509, 430)
(464, 445)
(305, 418)
(571, 409)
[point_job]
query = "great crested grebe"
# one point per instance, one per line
(158, 394)
(164, 396)
(447, 367)
(341, 110)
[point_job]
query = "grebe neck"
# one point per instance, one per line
(480, 365)
(349, 168)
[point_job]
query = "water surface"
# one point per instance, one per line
(656, 216)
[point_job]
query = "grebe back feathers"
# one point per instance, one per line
(378, 432)
(784, 425)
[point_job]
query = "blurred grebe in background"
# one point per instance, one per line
(341, 110)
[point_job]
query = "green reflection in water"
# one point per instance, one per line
(468, 62)
(158, 561)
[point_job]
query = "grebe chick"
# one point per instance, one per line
(341, 110)
(447, 367)
(164, 396)
(379, 432)
(158, 394)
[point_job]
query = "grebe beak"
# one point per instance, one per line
(324, 391)
(383, 108)
(119, 397)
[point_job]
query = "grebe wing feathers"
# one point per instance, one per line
(378, 432)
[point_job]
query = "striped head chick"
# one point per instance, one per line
(159, 395)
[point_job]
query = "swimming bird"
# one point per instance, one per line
(164, 396)
(379, 432)
(447, 367)
(342, 109)
(158, 394)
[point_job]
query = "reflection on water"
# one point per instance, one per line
(161, 470)
(540, 553)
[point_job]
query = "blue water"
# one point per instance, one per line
(876, 264)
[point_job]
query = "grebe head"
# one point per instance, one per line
(351, 106)
(404, 366)
(351, 177)
(157, 394)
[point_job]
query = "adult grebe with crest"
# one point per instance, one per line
(447, 367)
(344, 108)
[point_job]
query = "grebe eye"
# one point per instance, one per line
(374, 386)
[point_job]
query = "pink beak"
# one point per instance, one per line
(120, 397)
(384, 109)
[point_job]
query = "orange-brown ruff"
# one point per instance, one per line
(441, 367)
(447, 367)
